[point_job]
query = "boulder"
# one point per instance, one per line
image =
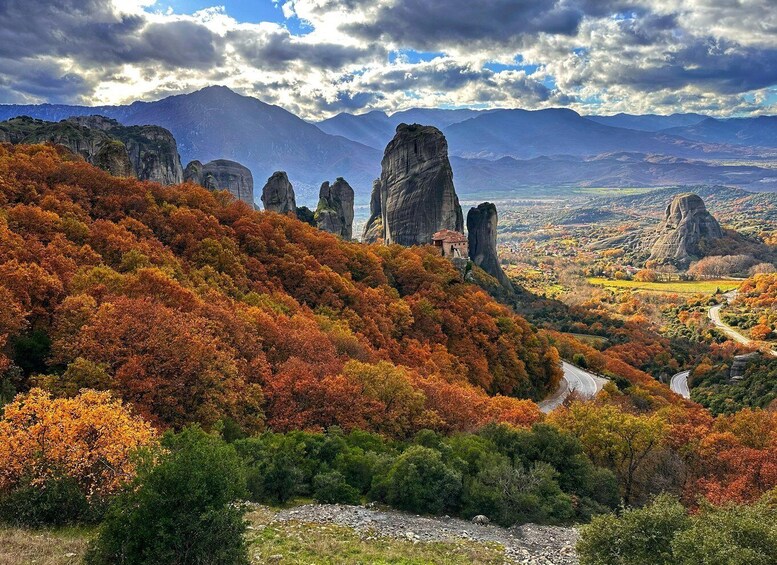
(278, 194)
(223, 174)
(334, 212)
(417, 197)
(687, 224)
(373, 229)
(481, 235)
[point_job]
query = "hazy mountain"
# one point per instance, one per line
(648, 122)
(375, 129)
(524, 134)
(216, 123)
(759, 131)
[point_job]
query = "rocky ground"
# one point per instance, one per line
(527, 544)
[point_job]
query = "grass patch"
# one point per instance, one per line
(595, 341)
(43, 547)
(674, 287)
(281, 543)
(298, 542)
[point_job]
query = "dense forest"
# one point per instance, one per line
(194, 308)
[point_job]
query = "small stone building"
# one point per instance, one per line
(452, 244)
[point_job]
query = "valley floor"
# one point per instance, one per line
(339, 534)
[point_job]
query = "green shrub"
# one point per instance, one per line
(181, 511)
(510, 495)
(331, 487)
(641, 536)
(580, 360)
(420, 482)
(730, 535)
(58, 502)
(274, 467)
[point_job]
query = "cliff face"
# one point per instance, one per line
(113, 157)
(149, 152)
(334, 213)
(278, 194)
(687, 223)
(223, 174)
(373, 229)
(481, 234)
(417, 197)
(152, 150)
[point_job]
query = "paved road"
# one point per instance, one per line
(714, 315)
(679, 384)
(575, 379)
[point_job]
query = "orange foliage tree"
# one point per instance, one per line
(89, 438)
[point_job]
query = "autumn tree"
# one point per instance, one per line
(89, 438)
(614, 438)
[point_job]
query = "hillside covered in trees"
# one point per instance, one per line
(193, 308)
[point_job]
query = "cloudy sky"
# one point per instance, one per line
(320, 57)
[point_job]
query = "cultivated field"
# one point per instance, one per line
(674, 287)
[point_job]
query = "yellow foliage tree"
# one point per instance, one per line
(89, 438)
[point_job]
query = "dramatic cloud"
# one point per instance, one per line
(327, 56)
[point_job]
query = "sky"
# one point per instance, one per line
(317, 58)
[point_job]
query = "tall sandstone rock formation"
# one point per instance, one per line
(481, 234)
(145, 152)
(686, 226)
(417, 197)
(334, 212)
(278, 194)
(373, 229)
(223, 174)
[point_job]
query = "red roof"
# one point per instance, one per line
(449, 236)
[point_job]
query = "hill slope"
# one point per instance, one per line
(194, 308)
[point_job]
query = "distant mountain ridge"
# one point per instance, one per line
(760, 131)
(505, 148)
(649, 122)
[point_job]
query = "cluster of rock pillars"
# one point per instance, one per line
(413, 203)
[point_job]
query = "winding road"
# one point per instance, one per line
(714, 316)
(679, 382)
(575, 379)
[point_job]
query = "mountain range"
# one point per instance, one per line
(506, 149)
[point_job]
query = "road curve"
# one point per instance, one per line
(679, 384)
(575, 379)
(714, 316)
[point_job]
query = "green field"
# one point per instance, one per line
(674, 287)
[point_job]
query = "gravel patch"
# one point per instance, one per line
(528, 544)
